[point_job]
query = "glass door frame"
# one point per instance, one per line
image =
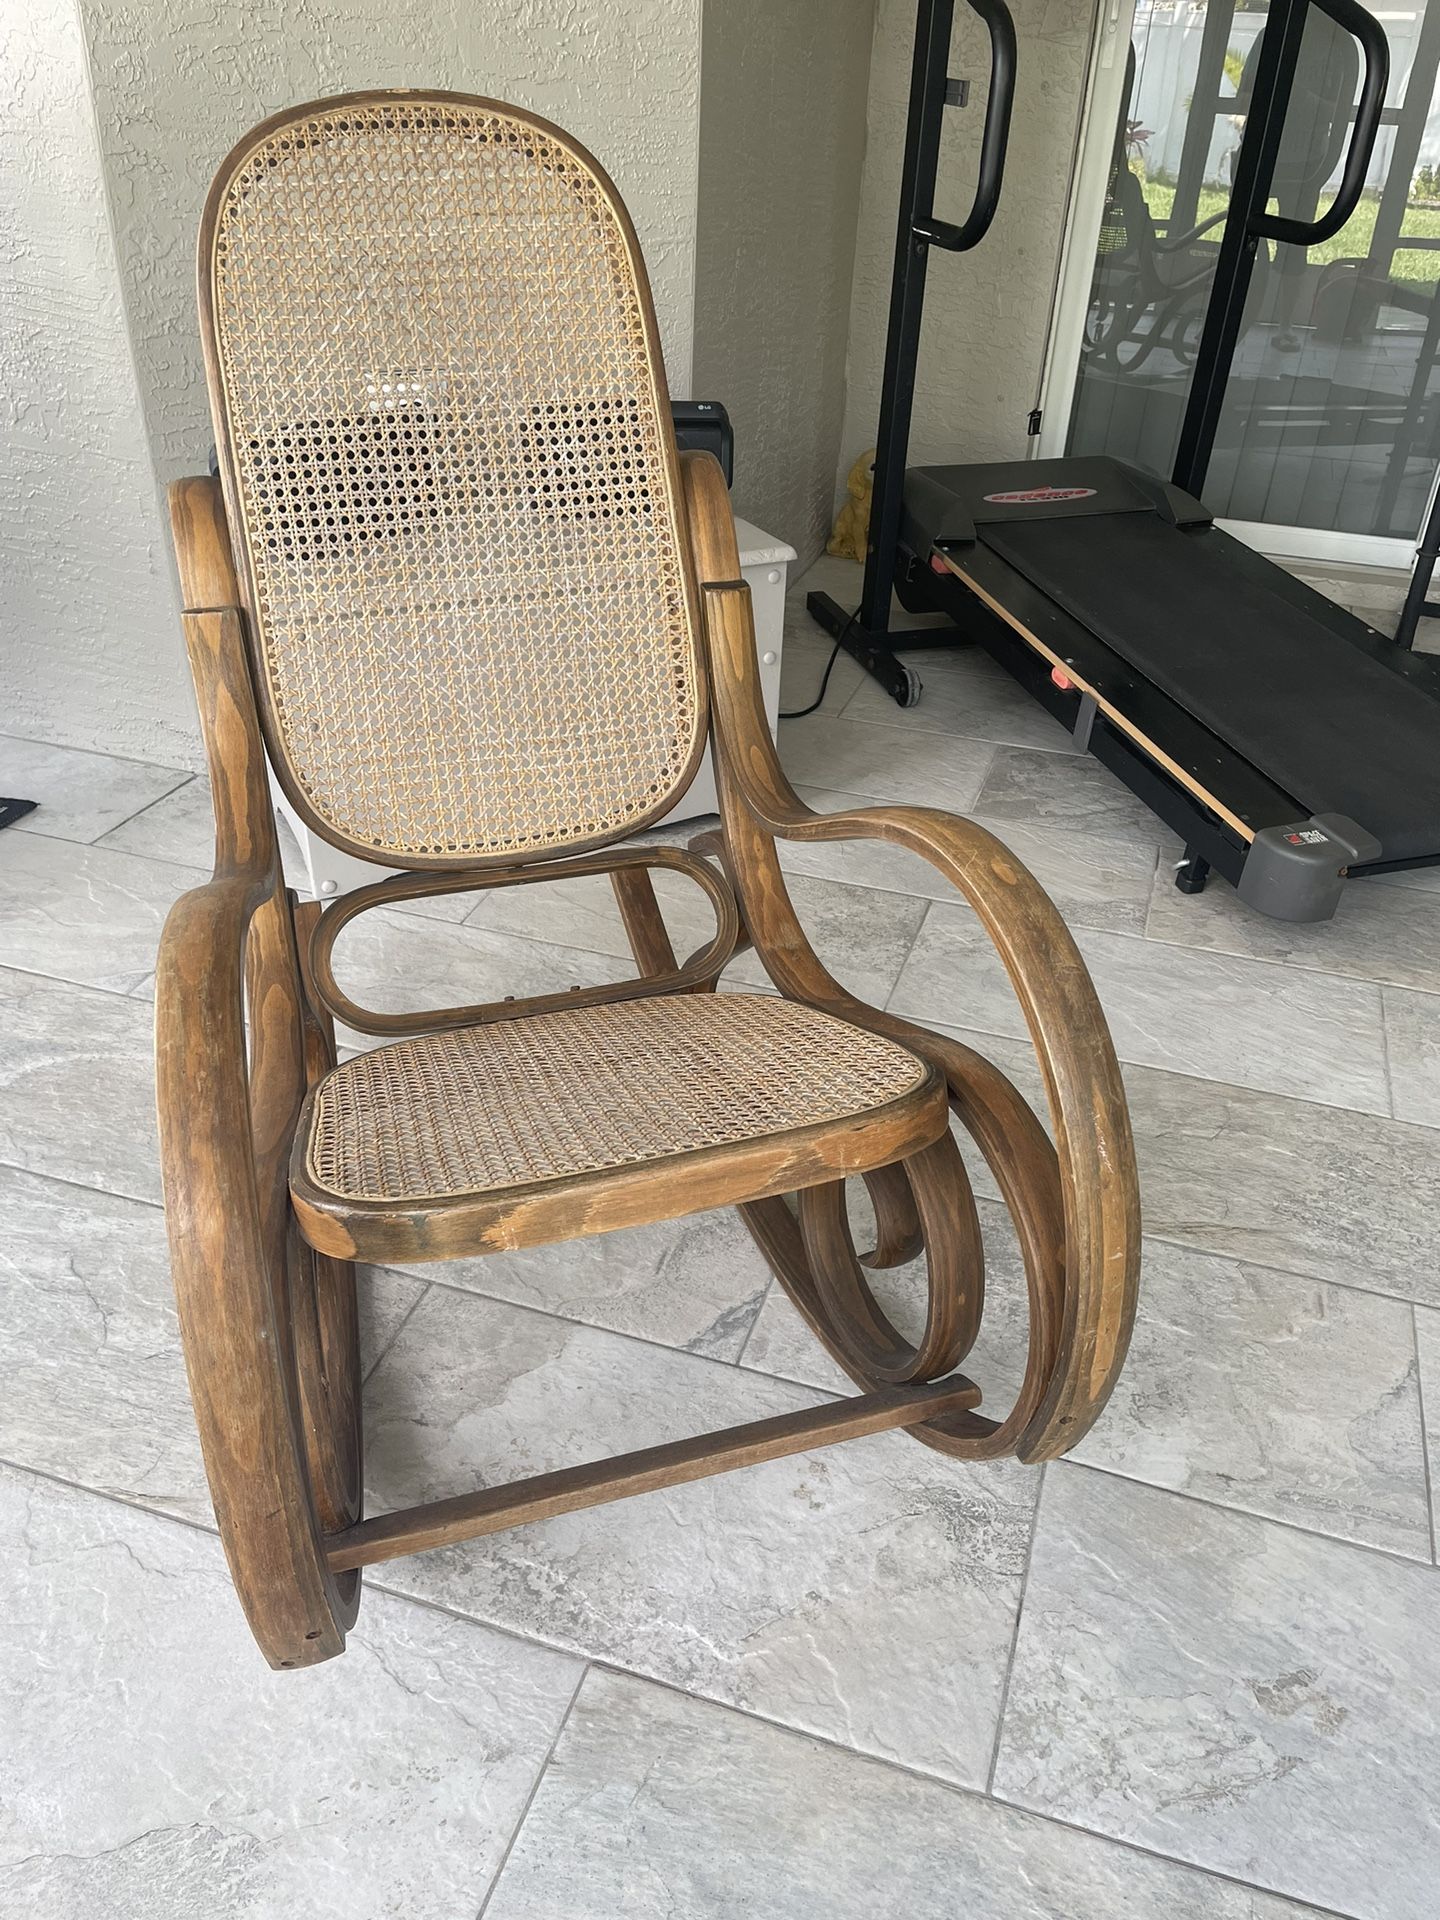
(1095, 151)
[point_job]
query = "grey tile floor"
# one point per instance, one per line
(1190, 1672)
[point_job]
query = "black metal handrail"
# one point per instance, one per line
(993, 141)
(917, 230)
(1365, 28)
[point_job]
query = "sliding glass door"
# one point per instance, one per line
(1244, 332)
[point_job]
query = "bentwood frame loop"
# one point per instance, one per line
(483, 620)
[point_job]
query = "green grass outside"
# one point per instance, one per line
(1413, 265)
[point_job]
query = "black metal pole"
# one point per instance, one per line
(907, 303)
(866, 633)
(1259, 149)
(1427, 554)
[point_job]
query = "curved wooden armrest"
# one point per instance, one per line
(200, 963)
(1076, 1204)
(977, 864)
(254, 1314)
(222, 1129)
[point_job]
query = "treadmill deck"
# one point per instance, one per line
(1289, 688)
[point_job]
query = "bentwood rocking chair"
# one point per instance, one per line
(456, 581)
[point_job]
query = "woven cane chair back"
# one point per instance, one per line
(451, 477)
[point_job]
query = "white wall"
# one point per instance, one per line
(986, 312)
(89, 651)
(93, 655)
(177, 82)
(782, 124)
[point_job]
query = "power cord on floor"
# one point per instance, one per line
(799, 713)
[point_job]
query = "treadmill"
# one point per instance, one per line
(1290, 745)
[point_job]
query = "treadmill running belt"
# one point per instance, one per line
(1320, 718)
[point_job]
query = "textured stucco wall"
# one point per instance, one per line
(175, 83)
(178, 81)
(986, 312)
(782, 137)
(89, 651)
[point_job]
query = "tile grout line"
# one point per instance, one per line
(210, 1531)
(1269, 1266)
(157, 1205)
(405, 1319)
(792, 873)
(1064, 750)
(1392, 1554)
(739, 1360)
(1385, 1055)
(1160, 1239)
(179, 787)
(97, 753)
(1015, 1636)
(1389, 1554)
(153, 1200)
(617, 1333)
(1424, 1429)
(1288, 964)
(910, 951)
(940, 1781)
(724, 1706)
(1284, 967)
(533, 1794)
(1297, 1900)
(1180, 1073)
(132, 994)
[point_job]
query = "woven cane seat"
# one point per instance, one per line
(497, 1112)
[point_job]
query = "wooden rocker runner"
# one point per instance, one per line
(456, 581)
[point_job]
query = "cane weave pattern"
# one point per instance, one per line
(449, 454)
(484, 1108)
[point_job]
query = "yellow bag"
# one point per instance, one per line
(852, 523)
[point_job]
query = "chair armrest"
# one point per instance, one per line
(1084, 1195)
(227, 1107)
(1006, 896)
(222, 1128)
(1171, 243)
(202, 1069)
(1075, 1204)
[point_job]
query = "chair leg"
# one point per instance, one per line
(955, 1269)
(326, 1337)
(325, 1310)
(806, 1241)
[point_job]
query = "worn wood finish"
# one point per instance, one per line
(327, 1327)
(776, 1231)
(644, 924)
(710, 845)
(898, 1235)
(955, 1271)
(580, 1204)
(700, 970)
(262, 1256)
(1075, 1204)
(223, 1146)
(442, 1523)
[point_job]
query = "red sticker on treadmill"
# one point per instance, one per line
(1039, 496)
